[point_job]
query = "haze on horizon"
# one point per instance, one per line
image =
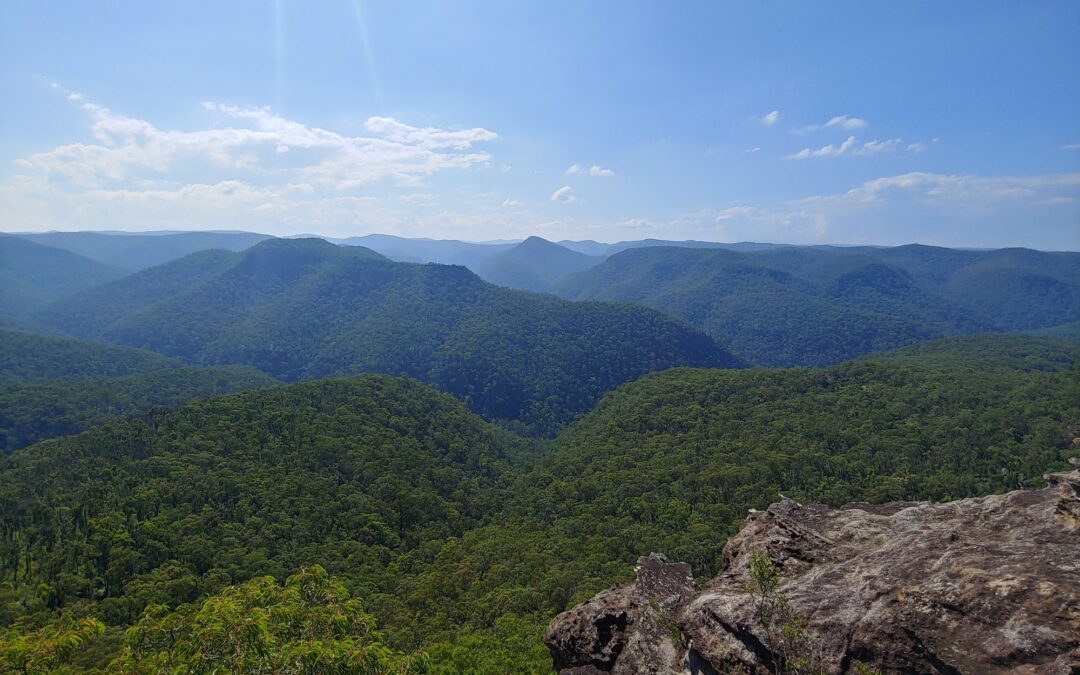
(953, 125)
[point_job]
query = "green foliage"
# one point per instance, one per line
(815, 306)
(788, 636)
(27, 357)
(304, 308)
(464, 540)
(33, 412)
(350, 473)
(58, 386)
(309, 625)
(32, 275)
(46, 649)
(89, 313)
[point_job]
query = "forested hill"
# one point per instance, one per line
(32, 275)
(464, 540)
(304, 308)
(164, 509)
(671, 462)
(58, 386)
(533, 265)
(820, 305)
(28, 357)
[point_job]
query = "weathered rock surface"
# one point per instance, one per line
(986, 585)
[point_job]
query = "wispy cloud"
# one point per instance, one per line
(874, 147)
(129, 150)
(829, 150)
(510, 202)
(845, 122)
(852, 148)
(932, 187)
(594, 170)
(771, 118)
(564, 194)
(1071, 146)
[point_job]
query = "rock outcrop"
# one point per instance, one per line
(985, 585)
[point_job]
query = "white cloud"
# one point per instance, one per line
(594, 170)
(916, 147)
(874, 147)
(850, 147)
(736, 223)
(510, 202)
(771, 118)
(939, 188)
(845, 122)
(829, 150)
(128, 150)
(564, 194)
(416, 197)
(754, 149)
(951, 209)
(1071, 146)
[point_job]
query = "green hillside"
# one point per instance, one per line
(90, 313)
(820, 305)
(53, 386)
(29, 357)
(32, 275)
(304, 308)
(463, 540)
(533, 265)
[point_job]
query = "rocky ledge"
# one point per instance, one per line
(985, 585)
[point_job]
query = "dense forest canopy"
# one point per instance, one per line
(462, 539)
(785, 306)
(51, 386)
(304, 308)
(32, 275)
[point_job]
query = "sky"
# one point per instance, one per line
(953, 124)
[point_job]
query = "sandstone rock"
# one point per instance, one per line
(985, 585)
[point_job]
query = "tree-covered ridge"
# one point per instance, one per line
(463, 540)
(820, 305)
(305, 308)
(32, 275)
(53, 386)
(699, 447)
(346, 471)
(533, 265)
(1065, 331)
(29, 357)
(88, 314)
(34, 411)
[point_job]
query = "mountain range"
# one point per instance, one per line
(305, 308)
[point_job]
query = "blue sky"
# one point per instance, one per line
(944, 123)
